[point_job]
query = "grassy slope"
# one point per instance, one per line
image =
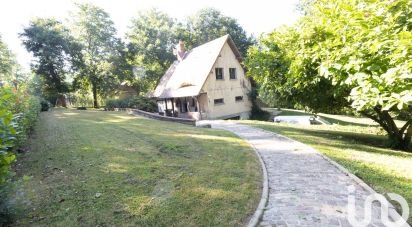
(93, 168)
(334, 119)
(358, 149)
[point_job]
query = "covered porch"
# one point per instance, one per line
(181, 107)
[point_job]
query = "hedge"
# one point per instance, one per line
(137, 102)
(18, 114)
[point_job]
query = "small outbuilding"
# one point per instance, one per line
(207, 82)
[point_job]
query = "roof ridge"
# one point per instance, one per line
(194, 69)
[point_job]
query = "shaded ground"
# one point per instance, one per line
(94, 168)
(359, 149)
(334, 119)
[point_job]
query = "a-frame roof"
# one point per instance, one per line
(186, 78)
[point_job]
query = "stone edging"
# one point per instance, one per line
(257, 215)
(265, 190)
(393, 214)
(160, 117)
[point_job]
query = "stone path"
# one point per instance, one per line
(305, 188)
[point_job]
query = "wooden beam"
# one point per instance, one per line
(165, 113)
(197, 104)
(173, 107)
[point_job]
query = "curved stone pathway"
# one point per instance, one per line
(305, 188)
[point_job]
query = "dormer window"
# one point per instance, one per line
(232, 73)
(219, 73)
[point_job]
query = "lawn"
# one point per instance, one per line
(96, 168)
(359, 149)
(332, 118)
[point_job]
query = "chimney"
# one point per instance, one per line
(180, 51)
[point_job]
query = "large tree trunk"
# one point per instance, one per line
(400, 138)
(407, 130)
(94, 88)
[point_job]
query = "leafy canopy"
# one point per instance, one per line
(100, 48)
(209, 23)
(152, 36)
(341, 54)
(55, 53)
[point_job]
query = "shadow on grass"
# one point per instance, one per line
(334, 144)
(345, 140)
(95, 169)
(342, 122)
(374, 178)
(328, 118)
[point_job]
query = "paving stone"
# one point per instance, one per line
(305, 189)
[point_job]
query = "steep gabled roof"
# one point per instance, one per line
(186, 78)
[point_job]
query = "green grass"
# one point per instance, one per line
(332, 118)
(95, 168)
(359, 149)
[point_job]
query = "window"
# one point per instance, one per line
(232, 73)
(218, 101)
(219, 73)
(239, 98)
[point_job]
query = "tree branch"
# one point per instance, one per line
(377, 118)
(405, 126)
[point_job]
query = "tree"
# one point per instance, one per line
(210, 23)
(95, 31)
(55, 51)
(341, 54)
(152, 36)
(7, 62)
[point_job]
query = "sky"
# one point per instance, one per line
(255, 16)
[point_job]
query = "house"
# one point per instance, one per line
(207, 82)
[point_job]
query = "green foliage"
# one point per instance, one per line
(257, 113)
(10, 70)
(102, 50)
(18, 114)
(343, 54)
(45, 105)
(151, 36)
(7, 60)
(7, 139)
(111, 104)
(143, 103)
(55, 51)
(209, 23)
(137, 102)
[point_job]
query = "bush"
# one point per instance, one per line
(18, 115)
(45, 105)
(257, 113)
(7, 139)
(138, 102)
(143, 103)
(27, 118)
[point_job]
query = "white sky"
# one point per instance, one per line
(256, 16)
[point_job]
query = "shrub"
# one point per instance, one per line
(138, 102)
(27, 118)
(7, 139)
(117, 103)
(257, 113)
(143, 103)
(18, 115)
(45, 105)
